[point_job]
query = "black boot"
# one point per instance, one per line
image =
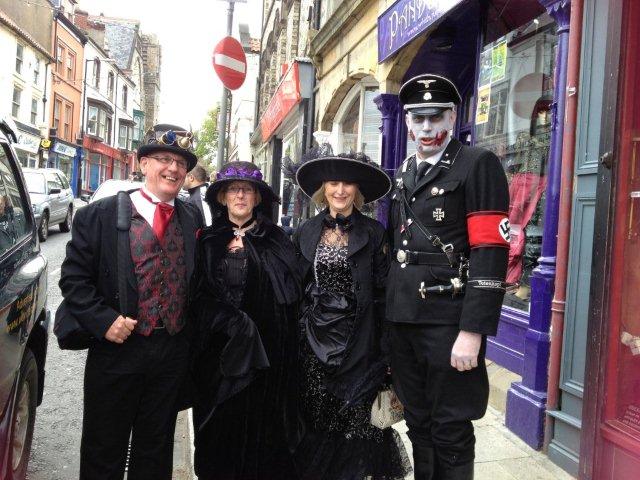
(456, 472)
(424, 463)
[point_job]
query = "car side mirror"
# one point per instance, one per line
(85, 197)
(53, 191)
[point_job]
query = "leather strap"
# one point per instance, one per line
(123, 224)
(425, 258)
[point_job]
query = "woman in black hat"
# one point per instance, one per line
(343, 260)
(246, 344)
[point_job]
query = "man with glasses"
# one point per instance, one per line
(137, 362)
(450, 234)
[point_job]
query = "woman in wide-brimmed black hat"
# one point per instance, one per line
(246, 345)
(343, 261)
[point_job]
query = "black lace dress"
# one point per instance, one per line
(340, 443)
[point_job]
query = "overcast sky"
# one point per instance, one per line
(188, 30)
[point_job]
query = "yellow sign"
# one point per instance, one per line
(484, 103)
(45, 143)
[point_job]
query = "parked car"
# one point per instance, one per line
(51, 198)
(111, 187)
(23, 314)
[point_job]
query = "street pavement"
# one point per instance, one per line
(56, 439)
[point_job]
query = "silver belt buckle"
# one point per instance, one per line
(401, 256)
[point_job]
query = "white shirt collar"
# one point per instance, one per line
(156, 199)
(433, 159)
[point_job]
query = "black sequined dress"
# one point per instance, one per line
(340, 442)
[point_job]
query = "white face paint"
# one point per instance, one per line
(430, 132)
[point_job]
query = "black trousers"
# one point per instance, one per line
(131, 390)
(439, 401)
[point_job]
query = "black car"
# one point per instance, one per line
(24, 317)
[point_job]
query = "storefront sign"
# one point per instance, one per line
(286, 97)
(405, 20)
(99, 147)
(63, 149)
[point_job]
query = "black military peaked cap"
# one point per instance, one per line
(429, 94)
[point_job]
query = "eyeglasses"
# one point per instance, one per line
(180, 162)
(245, 190)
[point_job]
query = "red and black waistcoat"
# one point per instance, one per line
(161, 273)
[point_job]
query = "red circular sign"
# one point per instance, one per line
(230, 62)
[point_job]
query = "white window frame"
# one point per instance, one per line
(94, 130)
(357, 91)
(15, 105)
(19, 57)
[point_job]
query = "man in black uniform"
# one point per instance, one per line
(195, 186)
(450, 234)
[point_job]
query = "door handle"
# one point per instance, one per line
(606, 159)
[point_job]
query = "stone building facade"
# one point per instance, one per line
(152, 63)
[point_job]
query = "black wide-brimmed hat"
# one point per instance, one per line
(243, 172)
(429, 94)
(169, 138)
(372, 181)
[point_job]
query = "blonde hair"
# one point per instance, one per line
(223, 191)
(320, 199)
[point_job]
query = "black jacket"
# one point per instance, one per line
(364, 365)
(464, 200)
(245, 357)
(89, 277)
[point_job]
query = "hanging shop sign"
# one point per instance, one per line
(286, 97)
(405, 20)
(63, 149)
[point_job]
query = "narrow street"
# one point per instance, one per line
(56, 439)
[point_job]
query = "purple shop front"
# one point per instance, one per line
(508, 59)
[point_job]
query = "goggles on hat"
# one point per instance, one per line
(177, 138)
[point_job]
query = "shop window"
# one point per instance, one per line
(513, 120)
(19, 57)
(34, 110)
(15, 104)
(358, 122)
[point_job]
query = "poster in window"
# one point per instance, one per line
(499, 62)
(486, 67)
(484, 102)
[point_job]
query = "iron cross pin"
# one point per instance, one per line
(438, 214)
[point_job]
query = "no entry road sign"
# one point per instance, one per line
(230, 62)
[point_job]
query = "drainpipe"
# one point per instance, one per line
(564, 218)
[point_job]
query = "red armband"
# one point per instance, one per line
(488, 229)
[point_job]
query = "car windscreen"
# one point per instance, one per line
(35, 182)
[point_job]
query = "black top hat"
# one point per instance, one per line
(244, 172)
(372, 181)
(429, 94)
(169, 138)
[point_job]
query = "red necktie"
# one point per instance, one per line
(161, 217)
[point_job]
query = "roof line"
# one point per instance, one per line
(6, 20)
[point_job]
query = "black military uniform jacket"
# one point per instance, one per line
(464, 201)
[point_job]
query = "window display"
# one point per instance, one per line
(513, 120)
